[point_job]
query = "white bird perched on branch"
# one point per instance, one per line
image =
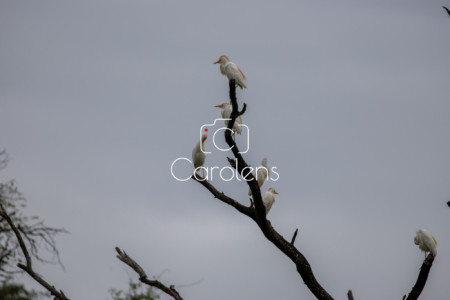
(198, 156)
(261, 173)
(226, 111)
(232, 71)
(426, 242)
(268, 199)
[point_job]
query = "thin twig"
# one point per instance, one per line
(143, 277)
(243, 110)
(28, 268)
(293, 238)
(190, 284)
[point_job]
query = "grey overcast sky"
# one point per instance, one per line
(349, 100)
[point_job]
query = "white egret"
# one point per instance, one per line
(426, 242)
(232, 71)
(198, 156)
(226, 111)
(261, 174)
(268, 199)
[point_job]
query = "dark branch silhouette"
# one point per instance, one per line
(248, 211)
(143, 277)
(28, 268)
(422, 279)
(256, 212)
(34, 235)
(293, 238)
(448, 11)
(259, 212)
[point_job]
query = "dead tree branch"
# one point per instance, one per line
(350, 295)
(422, 279)
(248, 211)
(143, 277)
(259, 215)
(293, 238)
(28, 268)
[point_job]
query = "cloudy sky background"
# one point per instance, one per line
(348, 99)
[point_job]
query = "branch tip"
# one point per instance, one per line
(294, 237)
(350, 295)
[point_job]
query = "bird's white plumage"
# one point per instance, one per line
(426, 241)
(261, 174)
(226, 110)
(232, 71)
(268, 199)
(198, 157)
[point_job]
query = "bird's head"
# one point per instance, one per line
(272, 190)
(416, 240)
(222, 60)
(223, 105)
(264, 161)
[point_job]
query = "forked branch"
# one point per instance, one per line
(28, 268)
(303, 267)
(143, 277)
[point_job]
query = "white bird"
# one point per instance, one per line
(426, 242)
(226, 113)
(261, 174)
(268, 199)
(232, 71)
(198, 156)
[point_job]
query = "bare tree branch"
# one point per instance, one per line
(350, 295)
(243, 110)
(143, 277)
(293, 238)
(28, 268)
(422, 279)
(248, 211)
(303, 267)
(33, 235)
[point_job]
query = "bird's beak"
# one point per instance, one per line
(217, 62)
(218, 105)
(276, 193)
